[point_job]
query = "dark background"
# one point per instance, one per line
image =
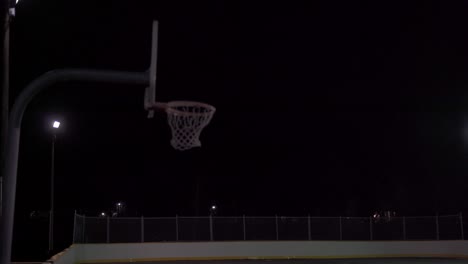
(325, 108)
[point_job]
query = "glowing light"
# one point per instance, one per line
(56, 124)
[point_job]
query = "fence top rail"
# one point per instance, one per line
(263, 217)
(429, 216)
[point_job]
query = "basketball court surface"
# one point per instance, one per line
(320, 261)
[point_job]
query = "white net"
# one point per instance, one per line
(187, 120)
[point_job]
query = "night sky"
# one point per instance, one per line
(325, 108)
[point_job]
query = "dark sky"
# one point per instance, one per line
(323, 107)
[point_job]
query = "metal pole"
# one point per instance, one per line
(276, 223)
(461, 226)
(51, 215)
(177, 227)
(404, 228)
(107, 229)
(9, 194)
(142, 229)
(74, 228)
(211, 227)
(5, 93)
(14, 131)
(243, 227)
(341, 229)
(309, 231)
(437, 226)
(1, 194)
(5, 75)
(83, 237)
(371, 233)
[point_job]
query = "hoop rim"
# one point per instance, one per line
(170, 108)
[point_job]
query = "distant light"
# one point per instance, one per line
(103, 214)
(213, 207)
(56, 124)
(119, 204)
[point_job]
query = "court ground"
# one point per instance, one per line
(320, 261)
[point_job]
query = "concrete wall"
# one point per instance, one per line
(271, 249)
(68, 256)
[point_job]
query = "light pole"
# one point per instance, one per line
(55, 126)
(213, 209)
(8, 8)
(119, 207)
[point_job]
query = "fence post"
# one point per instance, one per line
(142, 229)
(276, 223)
(437, 226)
(341, 229)
(211, 228)
(243, 227)
(74, 228)
(371, 233)
(461, 226)
(107, 229)
(84, 227)
(309, 231)
(177, 228)
(404, 228)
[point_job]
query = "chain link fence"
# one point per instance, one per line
(158, 229)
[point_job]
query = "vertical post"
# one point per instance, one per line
(371, 233)
(461, 227)
(309, 231)
(177, 228)
(276, 225)
(107, 229)
(74, 228)
(437, 226)
(5, 93)
(341, 229)
(8, 148)
(1, 189)
(404, 228)
(9, 194)
(211, 227)
(243, 227)
(51, 215)
(142, 229)
(83, 237)
(153, 63)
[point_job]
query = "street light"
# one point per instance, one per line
(55, 125)
(119, 206)
(213, 209)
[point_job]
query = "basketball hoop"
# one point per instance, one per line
(187, 120)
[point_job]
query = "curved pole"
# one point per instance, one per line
(14, 129)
